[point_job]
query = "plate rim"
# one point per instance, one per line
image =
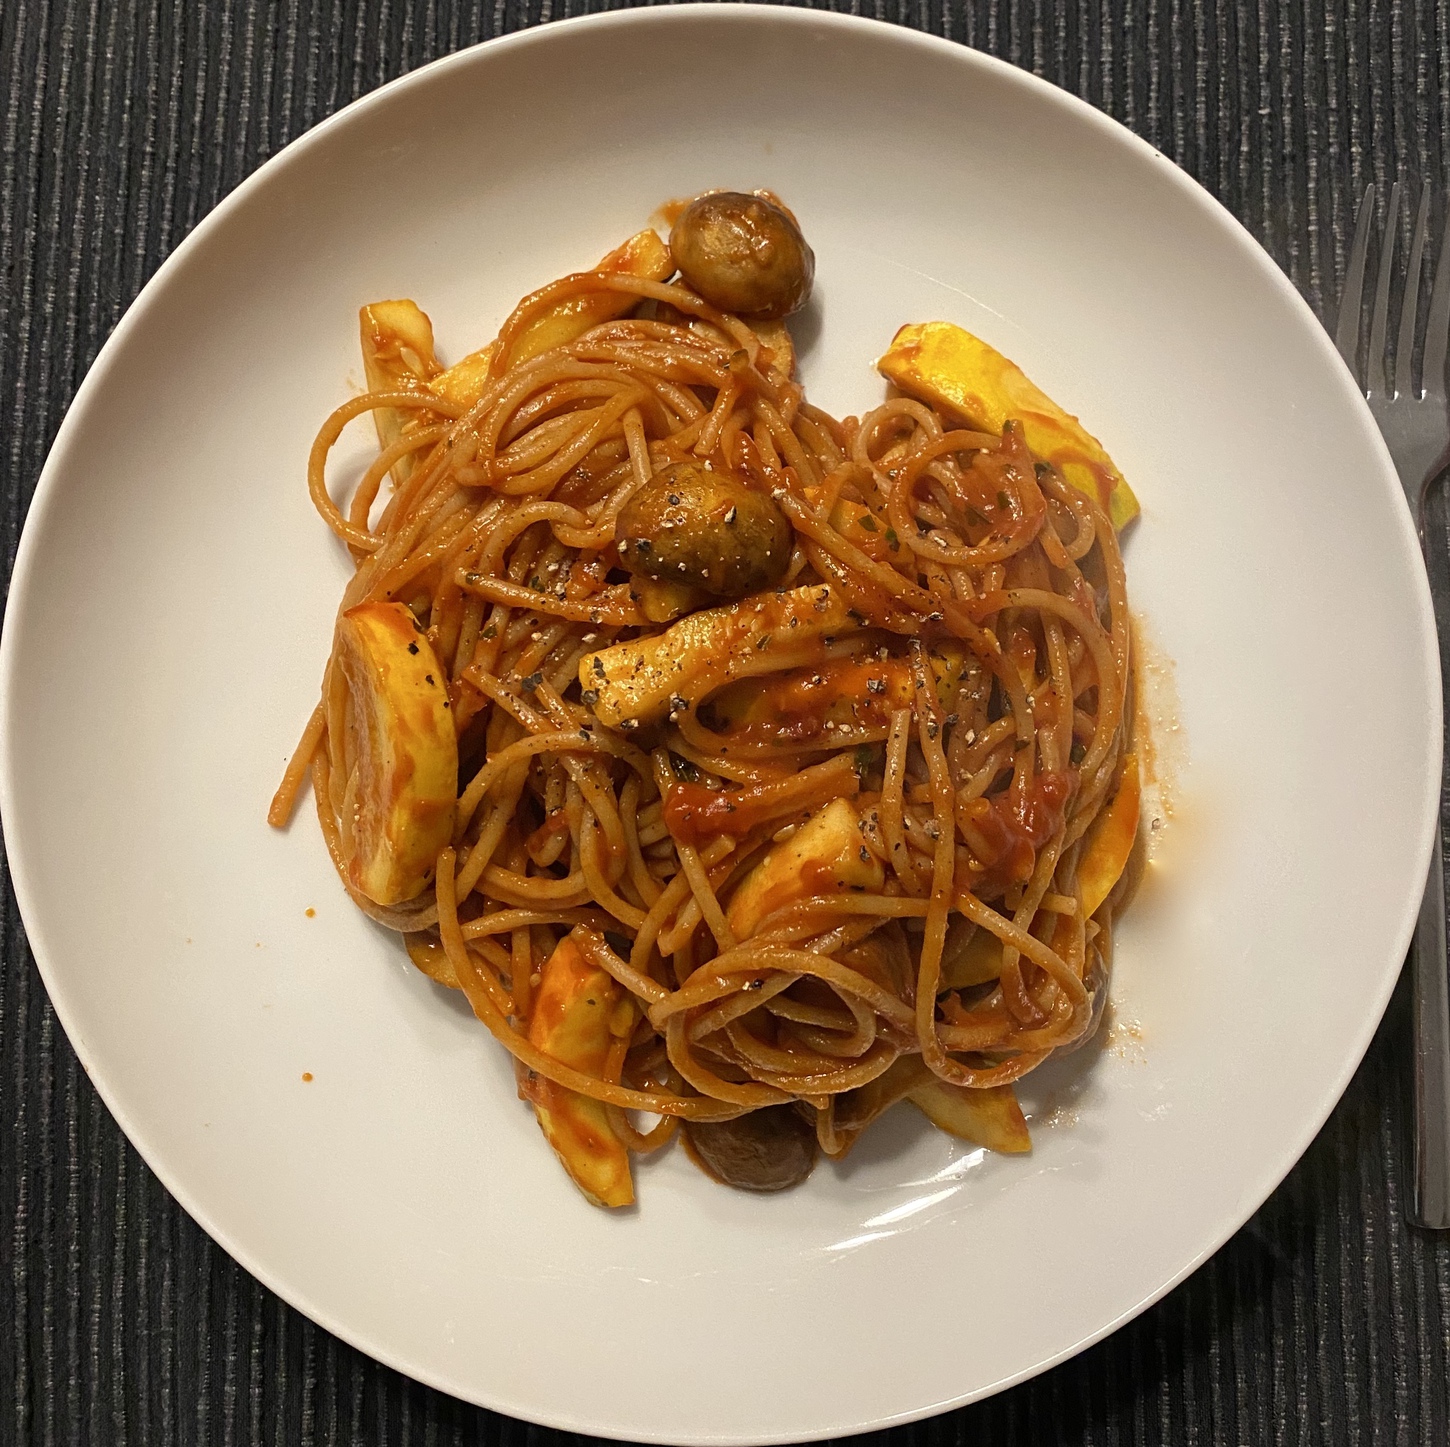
(48, 490)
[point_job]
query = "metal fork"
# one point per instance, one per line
(1416, 427)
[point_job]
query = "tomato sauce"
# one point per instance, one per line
(695, 815)
(1011, 827)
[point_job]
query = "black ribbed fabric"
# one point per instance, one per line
(122, 122)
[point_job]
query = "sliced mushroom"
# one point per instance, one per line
(885, 957)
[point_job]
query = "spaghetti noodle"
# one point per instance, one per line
(743, 766)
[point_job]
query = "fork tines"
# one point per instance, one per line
(1374, 377)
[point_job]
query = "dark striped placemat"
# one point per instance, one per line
(122, 123)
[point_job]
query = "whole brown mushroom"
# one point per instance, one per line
(767, 1150)
(705, 529)
(743, 254)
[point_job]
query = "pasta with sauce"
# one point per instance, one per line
(746, 768)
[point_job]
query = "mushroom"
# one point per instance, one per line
(744, 254)
(704, 529)
(768, 1150)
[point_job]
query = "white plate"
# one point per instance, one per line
(171, 609)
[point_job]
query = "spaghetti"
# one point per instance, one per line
(743, 766)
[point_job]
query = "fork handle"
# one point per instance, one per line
(1429, 1203)
(1430, 1196)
